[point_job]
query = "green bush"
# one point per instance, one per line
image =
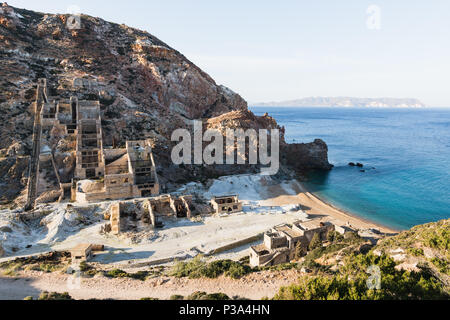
(140, 275)
(54, 296)
(191, 269)
(204, 296)
(441, 264)
(309, 261)
(334, 236)
(418, 252)
(351, 283)
(237, 270)
(116, 273)
(315, 242)
(197, 268)
(48, 267)
(84, 266)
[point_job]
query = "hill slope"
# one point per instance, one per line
(413, 265)
(146, 88)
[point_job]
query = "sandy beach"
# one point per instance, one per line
(318, 208)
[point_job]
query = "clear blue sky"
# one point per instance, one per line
(279, 50)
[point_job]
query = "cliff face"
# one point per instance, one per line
(146, 88)
(307, 156)
(140, 77)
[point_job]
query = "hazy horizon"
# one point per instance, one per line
(255, 103)
(286, 51)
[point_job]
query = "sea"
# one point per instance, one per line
(405, 153)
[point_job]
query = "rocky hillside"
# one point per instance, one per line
(146, 88)
(414, 264)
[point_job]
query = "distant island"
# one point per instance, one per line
(346, 102)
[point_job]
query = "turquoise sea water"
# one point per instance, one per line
(406, 153)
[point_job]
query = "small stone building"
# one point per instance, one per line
(310, 228)
(283, 243)
(226, 204)
(81, 252)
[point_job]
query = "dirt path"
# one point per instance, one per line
(254, 286)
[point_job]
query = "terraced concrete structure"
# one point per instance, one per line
(97, 173)
(285, 243)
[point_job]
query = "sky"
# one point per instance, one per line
(283, 50)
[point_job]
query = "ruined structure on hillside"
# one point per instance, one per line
(69, 159)
(140, 215)
(284, 243)
(81, 252)
(226, 204)
(128, 173)
(84, 251)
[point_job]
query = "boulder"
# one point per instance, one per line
(307, 156)
(6, 229)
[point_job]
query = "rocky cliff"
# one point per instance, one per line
(146, 88)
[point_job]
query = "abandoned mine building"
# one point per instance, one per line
(226, 204)
(134, 215)
(85, 170)
(284, 243)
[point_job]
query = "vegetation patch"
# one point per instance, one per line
(50, 262)
(278, 267)
(351, 283)
(140, 275)
(441, 264)
(55, 296)
(417, 252)
(202, 296)
(336, 243)
(198, 268)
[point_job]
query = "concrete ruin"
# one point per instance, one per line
(128, 173)
(85, 170)
(149, 213)
(84, 251)
(81, 252)
(285, 243)
(226, 204)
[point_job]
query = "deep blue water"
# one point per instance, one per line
(406, 153)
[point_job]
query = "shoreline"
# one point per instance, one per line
(345, 213)
(317, 207)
